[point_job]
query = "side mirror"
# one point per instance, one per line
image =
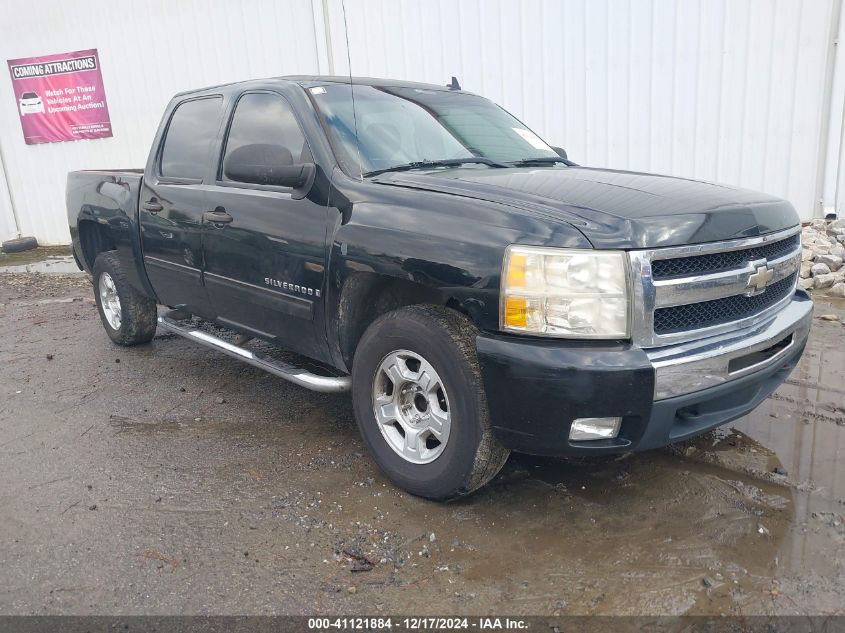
(293, 176)
(265, 164)
(560, 152)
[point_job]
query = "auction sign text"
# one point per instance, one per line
(60, 97)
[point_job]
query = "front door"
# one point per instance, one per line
(265, 262)
(173, 202)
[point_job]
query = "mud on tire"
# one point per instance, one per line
(445, 339)
(137, 313)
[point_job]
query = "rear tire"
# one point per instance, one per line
(416, 375)
(128, 316)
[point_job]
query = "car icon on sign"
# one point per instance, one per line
(30, 103)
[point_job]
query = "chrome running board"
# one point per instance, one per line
(296, 375)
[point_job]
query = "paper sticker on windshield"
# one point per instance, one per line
(535, 141)
(318, 90)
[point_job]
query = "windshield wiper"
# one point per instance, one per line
(446, 162)
(542, 159)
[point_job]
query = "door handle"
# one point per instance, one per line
(217, 217)
(152, 206)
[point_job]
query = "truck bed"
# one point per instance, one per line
(102, 193)
(107, 200)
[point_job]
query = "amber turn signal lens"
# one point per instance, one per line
(516, 312)
(516, 271)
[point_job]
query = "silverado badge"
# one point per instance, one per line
(284, 285)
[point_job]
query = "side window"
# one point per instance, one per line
(192, 129)
(264, 130)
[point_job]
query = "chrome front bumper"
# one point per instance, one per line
(689, 367)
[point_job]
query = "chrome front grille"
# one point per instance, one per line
(691, 292)
(695, 316)
(716, 262)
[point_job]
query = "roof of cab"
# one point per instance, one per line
(310, 81)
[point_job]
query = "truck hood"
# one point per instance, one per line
(616, 209)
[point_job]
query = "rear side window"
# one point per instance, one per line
(192, 129)
(264, 122)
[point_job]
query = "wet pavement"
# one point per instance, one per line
(171, 479)
(50, 259)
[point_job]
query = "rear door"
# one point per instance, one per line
(265, 266)
(173, 200)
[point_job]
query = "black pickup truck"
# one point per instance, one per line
(476, 290)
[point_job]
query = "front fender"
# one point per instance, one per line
(449, 248)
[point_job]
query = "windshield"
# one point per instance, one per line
(398, 126)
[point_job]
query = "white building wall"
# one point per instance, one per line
(148, 51)
(7, 218)
(736, 91)
(833, 194)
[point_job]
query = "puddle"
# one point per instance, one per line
(49, 265)
(50, 259)
(800, 431)
(802, 423)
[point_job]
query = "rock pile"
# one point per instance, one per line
(823, 257)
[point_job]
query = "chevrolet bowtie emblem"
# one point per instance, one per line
(760, 278)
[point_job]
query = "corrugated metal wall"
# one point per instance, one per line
(148, 51)
(834, 176)
(7, 219)
(734, 91)
(737, 91)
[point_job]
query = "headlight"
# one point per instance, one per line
(565, 293)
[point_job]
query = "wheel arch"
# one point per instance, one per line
(365, 296)
(94, 238)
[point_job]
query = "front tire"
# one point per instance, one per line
(420, 404)
(128, 317)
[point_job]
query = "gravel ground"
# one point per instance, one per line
(170, 479)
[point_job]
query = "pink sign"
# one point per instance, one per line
(60, 97)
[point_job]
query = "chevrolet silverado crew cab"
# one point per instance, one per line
(474, 289)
